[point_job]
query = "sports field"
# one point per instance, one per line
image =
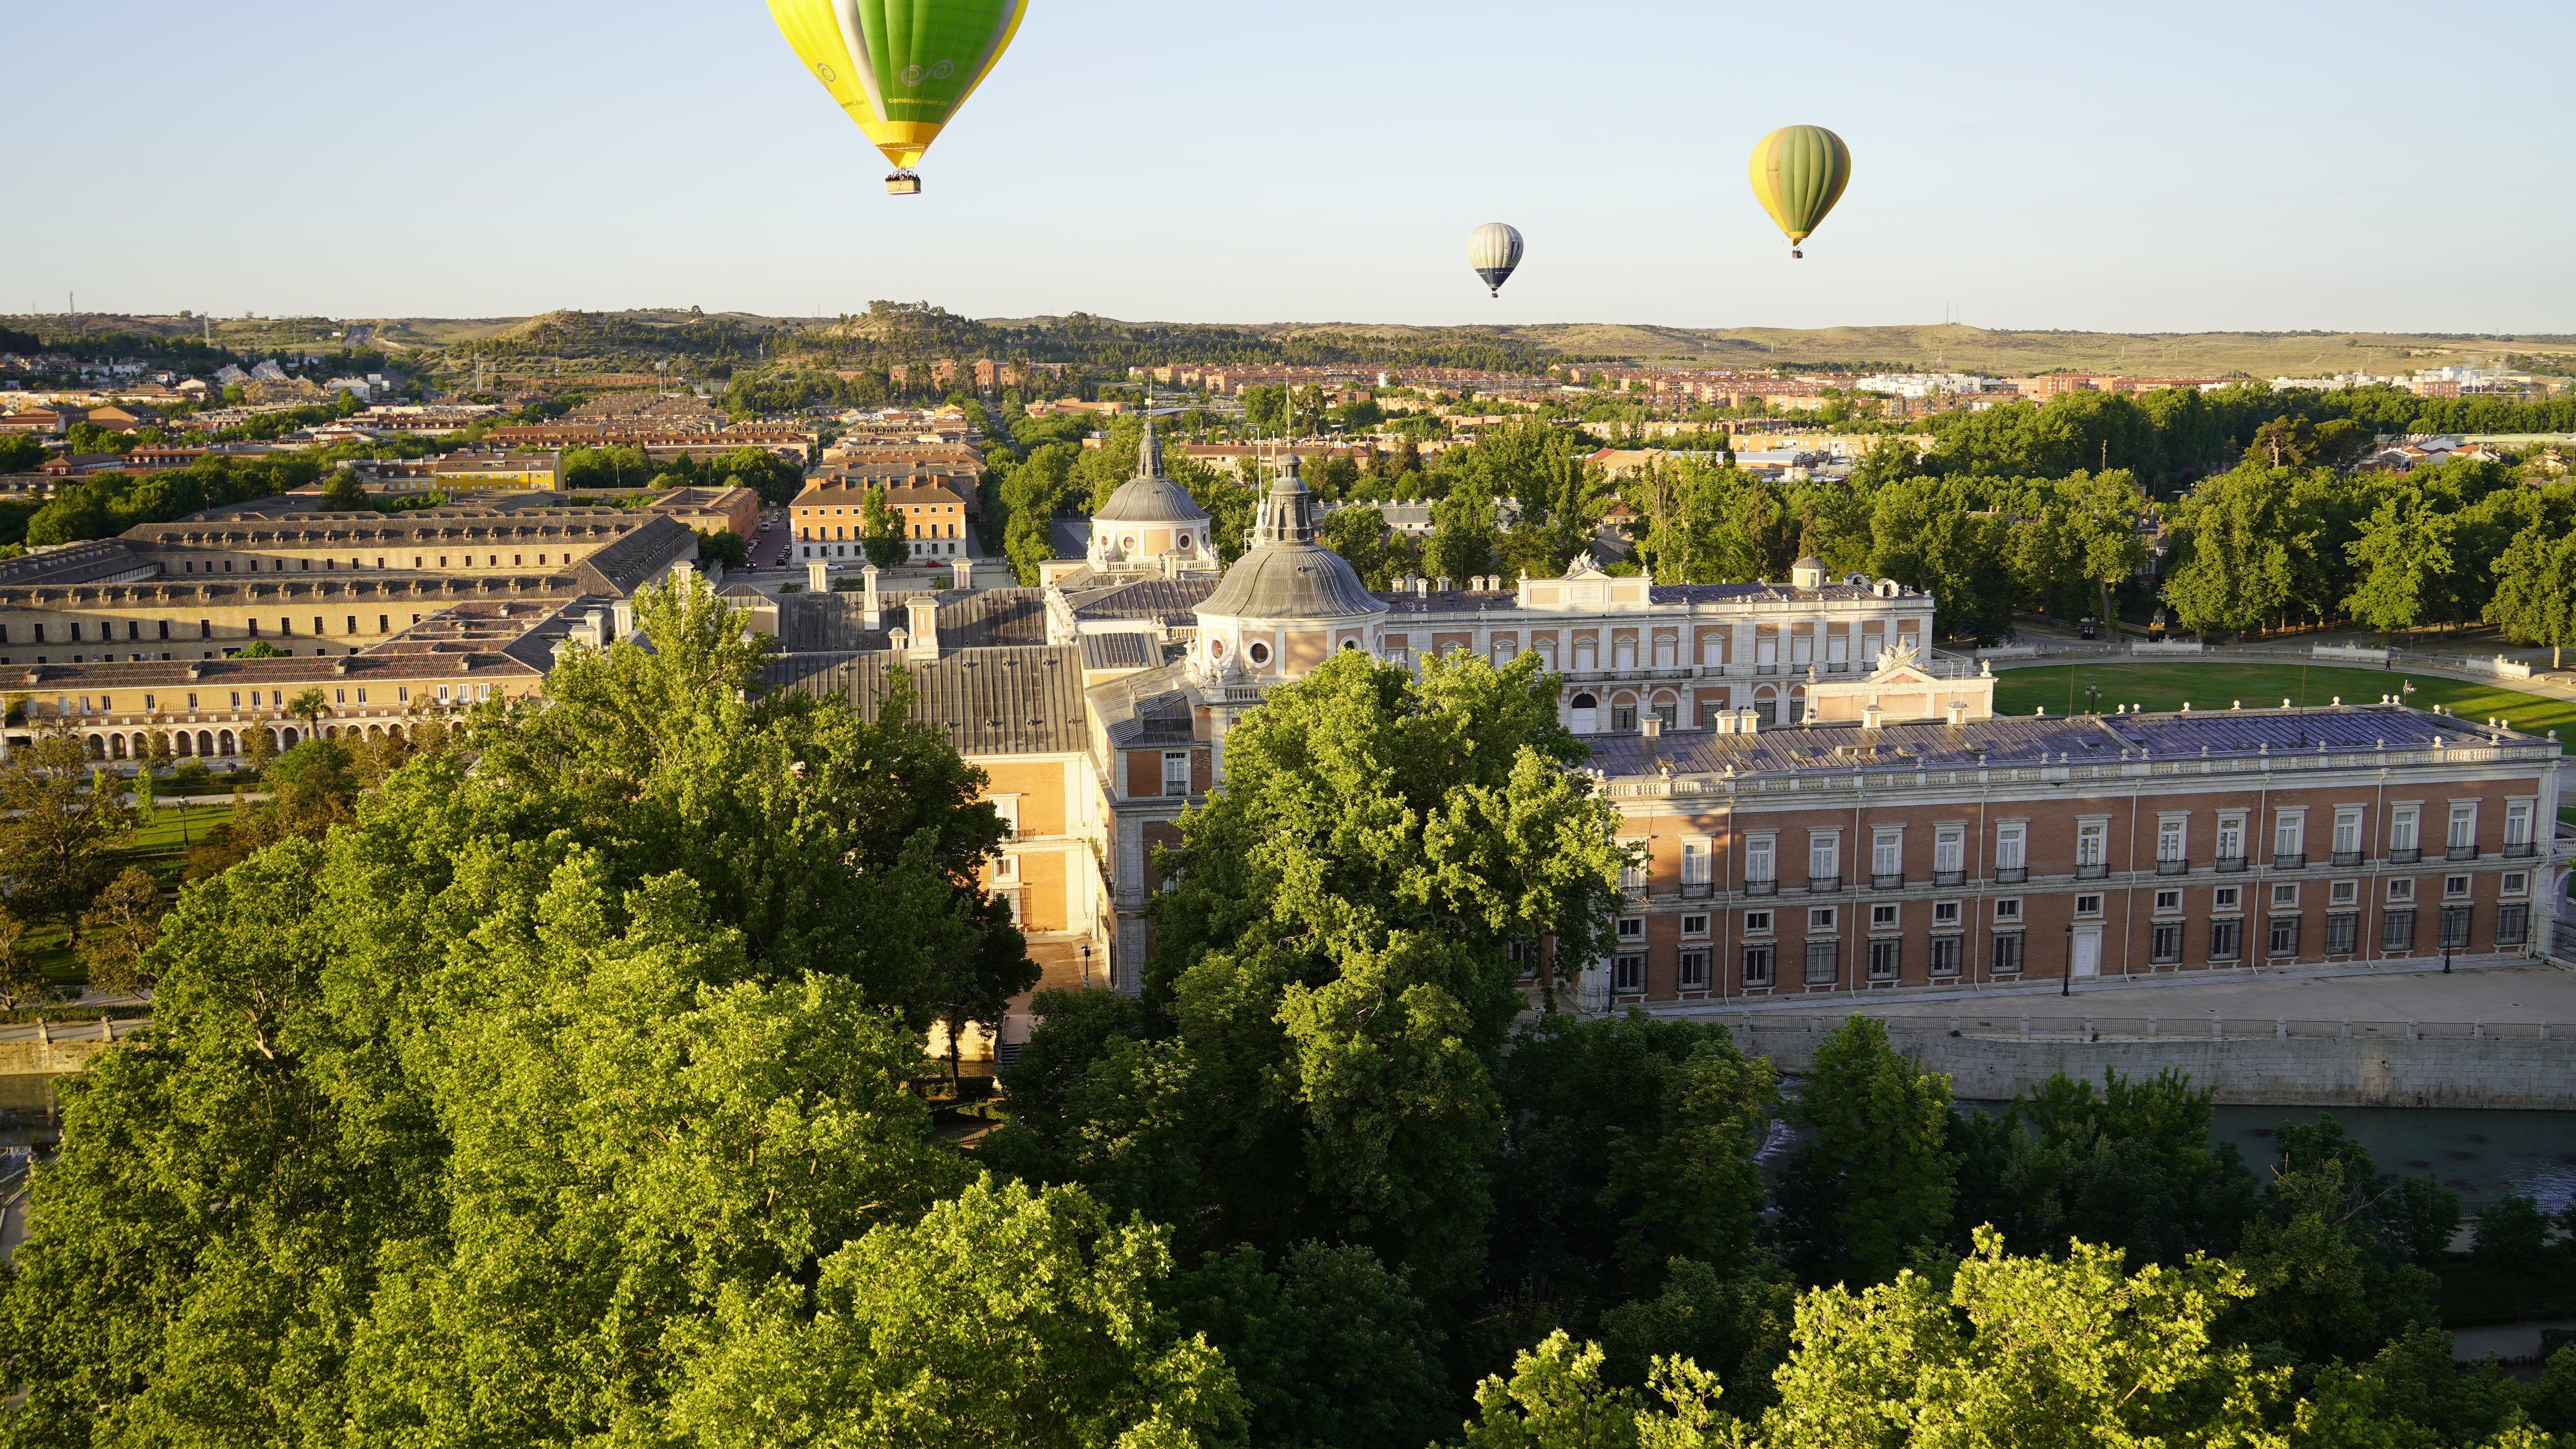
(2155, 687)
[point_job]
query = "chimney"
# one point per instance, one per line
(1747, 722)
(595, 625)
(1958, 714)
(1869, 715)
(1723, 721)
(818, 576)
(682, 569)
(1444, 583)
(962, 570)
(921, 613)
(1652, 726)
(624, 612)
(868, 601)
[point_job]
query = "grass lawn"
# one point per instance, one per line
(157, 847)
(2160, 687)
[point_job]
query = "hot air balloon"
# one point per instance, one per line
(901, 68)
(1799, 173)
(1493, 250)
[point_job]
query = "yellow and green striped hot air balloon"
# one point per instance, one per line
(901, 68)
(1799, 173)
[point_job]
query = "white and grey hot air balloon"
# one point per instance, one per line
(1493, 250)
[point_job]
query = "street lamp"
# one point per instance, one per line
(2093, 698)
(1086, 965)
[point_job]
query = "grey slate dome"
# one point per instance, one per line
(1149, 497)
(1286, 574)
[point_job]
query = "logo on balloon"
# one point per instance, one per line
(912, 75)
(942, 70)
(826, 73)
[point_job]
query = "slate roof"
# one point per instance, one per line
(1014, 701)
(1165, 601)
(1120, 651)
(2023, 740)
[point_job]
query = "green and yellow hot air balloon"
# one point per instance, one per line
(901, 68)
(1798, 174)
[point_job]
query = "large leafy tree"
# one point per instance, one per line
(2404, 554)
(463, 1123)
(1331, 977)
(2232, 566)
(1874, 1181)
(56, 826)
(2535, 595)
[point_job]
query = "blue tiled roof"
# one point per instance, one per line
(2024, 740)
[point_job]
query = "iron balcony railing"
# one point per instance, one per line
(2521, 849)
(2289, 860)
(2460, 852)
(1949, 877)
(2174, 866)
(2094, 870)
(2011, 874)
(1824, 883)
(1762, 887)
(1695, 890)
(2226, 864)
(2408, 856)
(2347, 857)
(1887, 881)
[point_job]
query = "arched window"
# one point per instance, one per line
(97, 747)
(1766, 705)
(116, 747)
(1587, 714)
(225, 740)
(288, 740)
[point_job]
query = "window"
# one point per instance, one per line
(1759, 862)
(2088, 905)
(1885, 956)
(1946, 951)
(2008, 910)
(2397, 931)
(1695, 925)
(2462, 842)
(1008, 808)
(2009, 840)
(1887, 854)
(1695, 863)
(2517, 828)
(2401, 890)
(2091, 839)
(2227, 898)
(2289, 833)
(2285, 896)
(2343, 930)
(1632, 877)
(1632, 928)
(1524, 954)
(1821, 918)
(2231, 839)
(1005, 868)
(1756, 922)
(2455, 928)
(1623, 717)
(1693, 974)
(1628, 972)
(2513, 924)
(2168, 901)
(1176, 772)
(2164, 943)
(2344, 893)
(1824, 963)
(2347, 835)
(1757, 965)
(1945, 913)
(1882, 918)
(2007, 954)
(2515, 882)
(2282, 938)
(1824, 855)
(2226, 938)
(2171, 848)
(2401, 831)
(2455, 887)
(1949, 851)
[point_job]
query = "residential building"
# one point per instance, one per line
(499, 473)
(830, 519)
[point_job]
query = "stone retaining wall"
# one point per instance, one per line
(2434, 1072)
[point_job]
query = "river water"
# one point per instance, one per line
(2480, 1155)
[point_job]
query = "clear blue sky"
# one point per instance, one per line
(2183, 165)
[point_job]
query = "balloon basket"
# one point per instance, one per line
(903, 183)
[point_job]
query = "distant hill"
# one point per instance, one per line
(572, 341)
